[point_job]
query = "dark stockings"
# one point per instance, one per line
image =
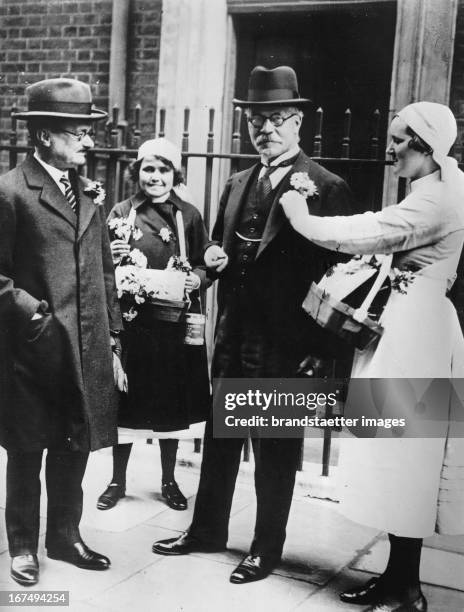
(121, 453)
(168, 450)
(401, 577)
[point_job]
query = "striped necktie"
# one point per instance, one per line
(69, 193)
(264, 185)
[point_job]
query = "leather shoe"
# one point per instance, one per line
(173, 496)
(110, 497)
(368, 593)
(253, 567)
(183, 545)
(390, 605)
(25, 569)
(81, 556)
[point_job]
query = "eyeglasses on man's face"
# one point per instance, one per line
(81, 134)
(276, 119)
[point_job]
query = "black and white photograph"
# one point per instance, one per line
(232, 305)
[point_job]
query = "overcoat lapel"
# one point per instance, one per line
(238, 189)
(276, 218)
(50, 194)
(87, 208)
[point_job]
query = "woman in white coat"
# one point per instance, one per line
(409, 487)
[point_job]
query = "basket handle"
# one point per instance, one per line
(361, 313)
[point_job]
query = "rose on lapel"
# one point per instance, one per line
(95, 191)
(303, 184)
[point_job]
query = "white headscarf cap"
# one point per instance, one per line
(436, 125)
(161, 147)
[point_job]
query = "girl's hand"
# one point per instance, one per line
(192, 282)
(119, 248)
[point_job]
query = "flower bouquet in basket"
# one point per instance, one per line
(161, 292)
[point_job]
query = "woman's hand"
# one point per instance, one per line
(295, 206)
(192, 282)
(216, 258)
(119, 248)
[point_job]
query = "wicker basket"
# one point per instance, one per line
(339, 318)
(166, 310)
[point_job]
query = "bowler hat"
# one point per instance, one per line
(274, 87)
(66, 98)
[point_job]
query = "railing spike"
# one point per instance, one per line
(317, 149)
(346, 134)
(162, 122)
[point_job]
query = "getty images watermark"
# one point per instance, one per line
(381, 407)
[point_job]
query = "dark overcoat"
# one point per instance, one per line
(56, 380)
(276, 283)
(168, 380)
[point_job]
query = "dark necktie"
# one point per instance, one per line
(264, 185)
(69, 193)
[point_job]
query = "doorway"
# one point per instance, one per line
(343, 58)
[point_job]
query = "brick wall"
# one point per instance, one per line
(50, 38)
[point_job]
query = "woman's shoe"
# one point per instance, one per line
(368, 593)
(173, 496)
(390, 605)
(110, 497)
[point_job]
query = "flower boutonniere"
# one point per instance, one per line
(303, 184)
(95, 191)
(166, 234)
(401, 279)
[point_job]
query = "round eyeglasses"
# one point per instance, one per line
(80, 135)
(257, 121)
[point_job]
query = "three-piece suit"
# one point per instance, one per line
(262, 332)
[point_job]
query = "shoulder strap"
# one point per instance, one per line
(181, 234)
(131, 217)
(361, 313)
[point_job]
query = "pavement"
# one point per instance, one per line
(324, 552)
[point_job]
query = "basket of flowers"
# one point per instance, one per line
(342, 301)
(144, 292)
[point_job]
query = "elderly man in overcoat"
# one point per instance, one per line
(265, 271)
(58, 309)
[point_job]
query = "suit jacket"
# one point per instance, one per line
(284, 268)
(56, 381)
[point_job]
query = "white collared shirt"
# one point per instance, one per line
(55, 173)
(279, 174)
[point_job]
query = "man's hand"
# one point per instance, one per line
(192, 282)
(120, 378)
(216, 258)
(119, 248)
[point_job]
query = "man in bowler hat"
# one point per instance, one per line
(59, 320)
(265, 271)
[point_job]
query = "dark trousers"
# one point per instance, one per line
(276, 462)
(64, 471)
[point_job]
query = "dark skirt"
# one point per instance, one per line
(168, 380)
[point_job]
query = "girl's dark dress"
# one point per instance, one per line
(168, 380)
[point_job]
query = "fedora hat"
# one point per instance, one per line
(278, 86)
(66, 98)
